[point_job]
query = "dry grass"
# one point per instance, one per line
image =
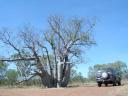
(80, 84)
(90, 89)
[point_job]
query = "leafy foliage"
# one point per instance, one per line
(12, 76)
(3, 68)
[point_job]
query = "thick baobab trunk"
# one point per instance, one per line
(47, 80)
(64, 73)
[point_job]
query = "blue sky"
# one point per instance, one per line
(110, 32)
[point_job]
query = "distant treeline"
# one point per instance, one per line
(13, 77)
(120, 66)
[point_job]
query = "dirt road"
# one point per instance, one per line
(77, 91)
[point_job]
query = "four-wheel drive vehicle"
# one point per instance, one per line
(108, 76)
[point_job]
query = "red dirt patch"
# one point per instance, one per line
(79, 91)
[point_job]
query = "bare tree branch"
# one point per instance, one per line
(26, 79)
(18, 59)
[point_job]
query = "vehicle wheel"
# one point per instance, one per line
(114, 84)
(106, 84)
(99, 84)
(119, 83)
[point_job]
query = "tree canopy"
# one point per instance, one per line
(50, 53)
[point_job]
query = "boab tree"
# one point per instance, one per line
(51, 53)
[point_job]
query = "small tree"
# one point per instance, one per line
(3, 69)
(76, 77)
(12, 76)
(24, 67)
